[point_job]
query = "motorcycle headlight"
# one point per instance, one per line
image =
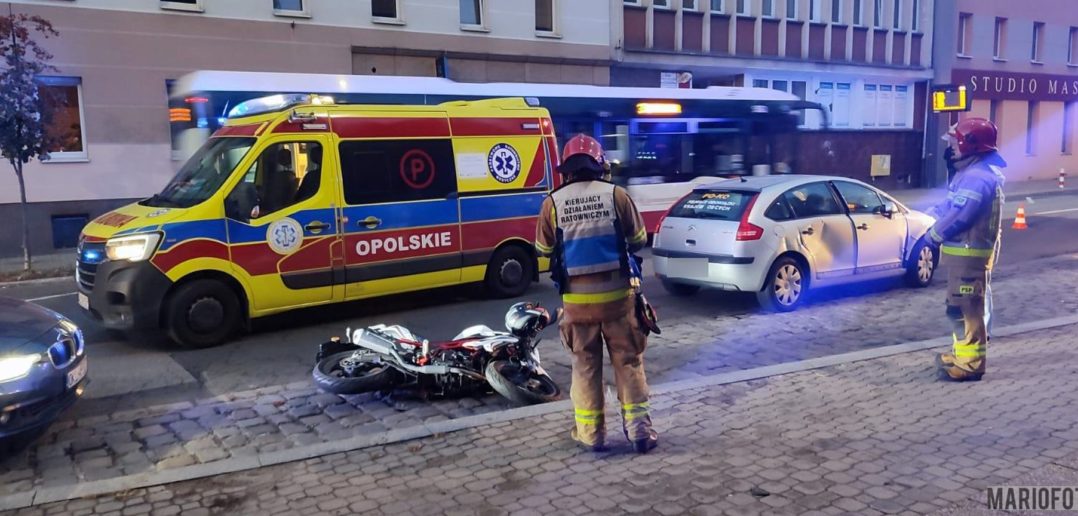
(15, 367)
(134, 248)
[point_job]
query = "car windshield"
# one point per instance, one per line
(713, 205)
(203, 174)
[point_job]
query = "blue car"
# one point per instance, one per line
(42, 368)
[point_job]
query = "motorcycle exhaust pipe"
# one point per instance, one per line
(383, 346)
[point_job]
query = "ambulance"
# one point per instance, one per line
(298, 201)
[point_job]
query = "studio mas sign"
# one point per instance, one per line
(1018, 86)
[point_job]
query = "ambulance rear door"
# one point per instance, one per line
(400, 205)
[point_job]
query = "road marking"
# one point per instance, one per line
(54, 296)
(1053, 212)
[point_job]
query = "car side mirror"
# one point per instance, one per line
(889, 209)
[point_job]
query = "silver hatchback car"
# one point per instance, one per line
(779, 236)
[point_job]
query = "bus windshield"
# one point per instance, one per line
(203, 174)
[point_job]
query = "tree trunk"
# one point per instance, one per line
(25, 217)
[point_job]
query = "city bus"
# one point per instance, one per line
(661, 142)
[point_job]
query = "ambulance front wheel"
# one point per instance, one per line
(202, 313)
(509, 272)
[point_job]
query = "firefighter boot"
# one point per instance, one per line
(597, 447)
(968, 372)
(646, 444)
(944, 360)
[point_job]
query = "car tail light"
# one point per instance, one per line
(745, 230)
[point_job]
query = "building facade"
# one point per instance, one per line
(115, 59)
(867, 61)
(1019, 63)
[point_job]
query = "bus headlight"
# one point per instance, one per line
(134, 248)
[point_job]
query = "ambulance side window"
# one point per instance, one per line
(284, 174)
(392, 171)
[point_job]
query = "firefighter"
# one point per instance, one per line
(589, 227)
(967, 231)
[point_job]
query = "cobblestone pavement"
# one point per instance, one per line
(712, 334)
(872, 437)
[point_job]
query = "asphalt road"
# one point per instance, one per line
(282, 348)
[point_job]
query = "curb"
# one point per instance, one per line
(237, 464)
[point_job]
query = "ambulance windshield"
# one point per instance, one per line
(203, 174)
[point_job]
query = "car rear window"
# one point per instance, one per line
(712, 205)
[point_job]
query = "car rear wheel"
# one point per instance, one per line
(680, 289)
(921, 268)
(202, 313)
(784, 290)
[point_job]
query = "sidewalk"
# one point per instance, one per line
(878, 436)
(51, 263)
(924, 198)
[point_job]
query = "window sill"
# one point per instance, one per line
(1072, 65)
(999, 59)
(963, 56)
(169, 6)
(77, 158)
(1038, 63)
(292, 14)
(547, 34)
(387, 21)
(474, 28)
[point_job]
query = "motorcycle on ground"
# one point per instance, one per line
(383, 358)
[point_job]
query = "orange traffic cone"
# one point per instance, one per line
(1020, 219)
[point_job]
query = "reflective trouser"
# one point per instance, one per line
(625, 343)
(967, 288)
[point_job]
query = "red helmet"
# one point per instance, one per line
(582, 152)
(974, 136)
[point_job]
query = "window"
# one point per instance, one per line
(289, 7)
(182, 5)
(743, 7)
(759, 83)
(780, 85)
(916, 20)
(902, 96)
(545, 15)
(877, 14)
(1072, 46)
(285, 174)
(814, 10)
(896, 19)
(716, 5)
(767, 8)
(712, 205)
(812, 200)
(858, 12)
(871, 92)
(688, 5)
(964, 29)
(836, 11)
(372, 174)
(1068, 127)
(661, 3)
(471, 13)
(1038, 42)
(859, 199)
(1031, 128)
(387, 9)
(999, 38)
(791, 9)
(202, 175)
(800, 88)
(993, 111)
(62, 102)
(779, 210)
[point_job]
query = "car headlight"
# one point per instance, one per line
(134, 248)
(15, 367)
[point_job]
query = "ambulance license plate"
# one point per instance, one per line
(84, 301)
(76, 375)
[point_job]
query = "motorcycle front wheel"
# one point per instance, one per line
(344, 373)
(521, 384)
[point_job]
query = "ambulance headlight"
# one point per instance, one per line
(134, 248)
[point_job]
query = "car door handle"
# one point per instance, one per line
(370, 222)
(316, 227)
(863, 226)
(808, 231)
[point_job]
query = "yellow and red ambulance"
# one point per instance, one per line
(298, 202)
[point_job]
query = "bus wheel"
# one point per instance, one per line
(202, 313)
(509, 272)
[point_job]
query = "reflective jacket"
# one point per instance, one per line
(969, 222)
